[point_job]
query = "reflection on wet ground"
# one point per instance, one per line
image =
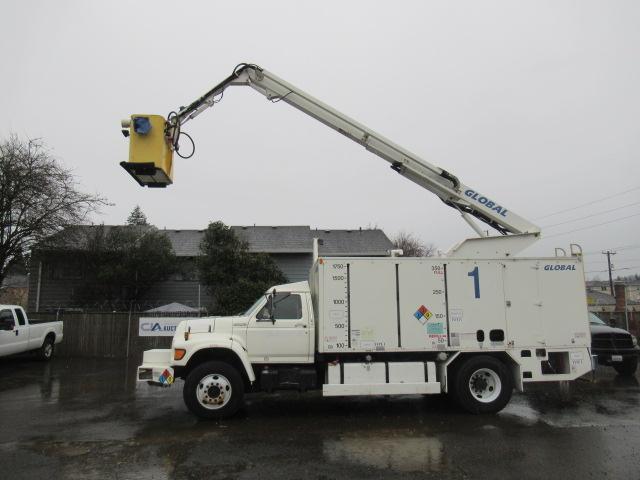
(88, 419)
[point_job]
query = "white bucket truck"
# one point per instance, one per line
(474, 323)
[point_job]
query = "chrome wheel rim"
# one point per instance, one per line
(214, 391)
(48, 350)
(485, 385)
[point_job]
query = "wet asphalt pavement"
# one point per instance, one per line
(87, 419)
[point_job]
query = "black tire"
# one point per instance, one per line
(628, 367)
(211, 380)
(45, 352)
(490, 378)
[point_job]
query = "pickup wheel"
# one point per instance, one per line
(213, 390)
(482, 384)
(45, 352)
(628, 367)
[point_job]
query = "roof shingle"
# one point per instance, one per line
(281, 239)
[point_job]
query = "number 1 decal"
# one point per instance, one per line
(475, 273)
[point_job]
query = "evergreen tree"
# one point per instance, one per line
(234, 276)
(137, 217)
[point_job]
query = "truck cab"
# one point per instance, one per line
(280, 327)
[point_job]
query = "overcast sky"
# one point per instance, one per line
(535, 104)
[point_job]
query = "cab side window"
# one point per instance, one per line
(286, 306)
(20, 317)
(6, 319)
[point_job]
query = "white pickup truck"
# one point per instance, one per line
(18, 334)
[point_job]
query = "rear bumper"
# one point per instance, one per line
(156, 368)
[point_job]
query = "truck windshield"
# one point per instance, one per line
(253, 307)
(595, 320)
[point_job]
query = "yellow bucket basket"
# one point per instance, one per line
(150, 152)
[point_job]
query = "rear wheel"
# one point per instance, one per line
(46, 350)
(628, 367)
(482, 384)
(213, 390)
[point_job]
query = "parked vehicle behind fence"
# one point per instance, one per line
(614, 347)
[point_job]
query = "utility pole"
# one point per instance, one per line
(608, 253)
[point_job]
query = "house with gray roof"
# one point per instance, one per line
(53, 278)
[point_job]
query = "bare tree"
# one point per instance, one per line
(38, 197)
(412, 246)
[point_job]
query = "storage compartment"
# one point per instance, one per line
(364, 373)
(406, 372)
(557, 364)
(380, 304)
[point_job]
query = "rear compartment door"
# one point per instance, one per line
(522, 303)
(564, 315)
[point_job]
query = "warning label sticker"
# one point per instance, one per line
(423, 314)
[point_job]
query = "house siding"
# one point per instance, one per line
(289, 246)
(294, 266)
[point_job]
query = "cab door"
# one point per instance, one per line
(280, 331)
(13, 338)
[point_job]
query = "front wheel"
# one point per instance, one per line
(213, 390)
(482, 384)
(628, 367)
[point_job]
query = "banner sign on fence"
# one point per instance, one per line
(158, 326)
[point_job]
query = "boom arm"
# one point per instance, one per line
(446, 186)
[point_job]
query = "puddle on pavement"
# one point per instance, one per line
(401, 454)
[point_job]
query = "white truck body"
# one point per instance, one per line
(394, 325)
(437, 304)
(18, 334)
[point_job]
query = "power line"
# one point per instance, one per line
(588, 203)
(632, 267)
(593, 226)
(604, 261)
(624, 247)
(628, 247)
(592, 215)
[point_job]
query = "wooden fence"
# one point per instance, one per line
(103, 335)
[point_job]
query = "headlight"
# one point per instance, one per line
(634, 340)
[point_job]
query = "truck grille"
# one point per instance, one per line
(611, 341)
